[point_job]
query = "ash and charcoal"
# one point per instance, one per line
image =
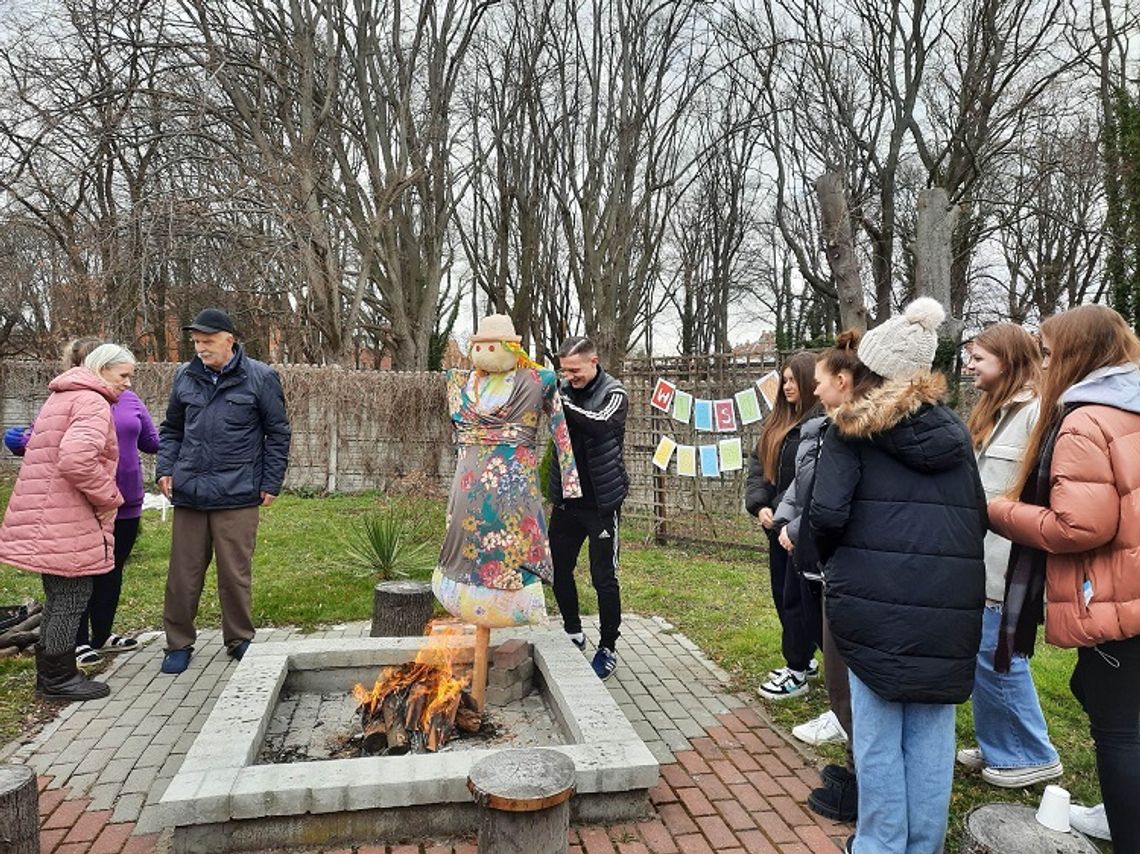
(308, 727)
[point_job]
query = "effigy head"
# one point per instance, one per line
(495, 345)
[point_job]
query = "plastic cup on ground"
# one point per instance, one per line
(1053, 812)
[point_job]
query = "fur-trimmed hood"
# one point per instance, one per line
(905, 419)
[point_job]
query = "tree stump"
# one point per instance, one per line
(19, 810)
(401, 608)
(524, 799)
(1013, 829)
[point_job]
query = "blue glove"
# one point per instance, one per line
(16, 439)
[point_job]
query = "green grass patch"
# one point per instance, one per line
(305, 575)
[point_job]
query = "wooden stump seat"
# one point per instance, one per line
(524, 796)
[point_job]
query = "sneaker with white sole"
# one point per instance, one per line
(1017, 778)
(1091, 821)
(579, 640)
(784, 687)
(822, 730)
(971, 758)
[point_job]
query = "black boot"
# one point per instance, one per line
(838, 798)
(58, 678)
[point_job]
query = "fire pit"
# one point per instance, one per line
(299, 694)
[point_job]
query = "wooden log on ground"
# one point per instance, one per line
(19, 810)
(1014, 829)
(375, 736)
(524, 799)
(401, 608)
(17, 634)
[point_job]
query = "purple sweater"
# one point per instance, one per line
(135, 432)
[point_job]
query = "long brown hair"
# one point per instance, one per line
(786, 415)
(1020, 359)
(1082, 340)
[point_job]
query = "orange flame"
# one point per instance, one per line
(430, 676)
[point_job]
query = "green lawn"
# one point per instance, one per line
(303, 576)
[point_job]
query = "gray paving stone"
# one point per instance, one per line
(149, 820)
(96, 760)
(132, 748)
(116, 770)
(103, 796)
(139, 780)
(129, 807)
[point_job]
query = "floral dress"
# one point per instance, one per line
(495, 553)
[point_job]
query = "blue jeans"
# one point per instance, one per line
(1008, 722)
(904, 756)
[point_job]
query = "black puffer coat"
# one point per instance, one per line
(899, 516)
(224, 442)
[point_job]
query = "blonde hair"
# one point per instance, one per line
(1082, 340)
(1020, 359)
(106, 355)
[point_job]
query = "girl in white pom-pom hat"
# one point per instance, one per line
(899, 517)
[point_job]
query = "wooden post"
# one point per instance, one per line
(479, 673)
(524, 796)
(401, 608)
(19, 810)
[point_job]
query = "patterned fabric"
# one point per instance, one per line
(496, 532)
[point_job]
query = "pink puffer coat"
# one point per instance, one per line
(68, 475)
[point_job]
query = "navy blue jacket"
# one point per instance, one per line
(224, 443)
(899, 515)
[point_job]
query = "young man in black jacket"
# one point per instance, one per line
(596, 405)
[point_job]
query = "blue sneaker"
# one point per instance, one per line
(604, 663)
(176, 660)
(237, 651)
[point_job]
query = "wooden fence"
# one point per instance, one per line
(389, 431)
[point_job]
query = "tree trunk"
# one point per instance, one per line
(401, 608)
(934, 233)
(933, 262)
(840, 248)
(19, 810)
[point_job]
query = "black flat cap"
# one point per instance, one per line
(211, 320)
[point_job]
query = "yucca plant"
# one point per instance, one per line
(385, 543)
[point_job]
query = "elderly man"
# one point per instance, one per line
(224, 448)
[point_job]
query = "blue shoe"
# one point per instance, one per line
(176, 660)
(604, 663)
(237, 651)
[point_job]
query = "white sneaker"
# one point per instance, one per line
(821, 730)
(972, 758)
(788, 685)
(1017, 778)
(1091, 821)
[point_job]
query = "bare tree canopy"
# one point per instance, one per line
(345, 177)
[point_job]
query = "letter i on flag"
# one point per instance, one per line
(662, 395)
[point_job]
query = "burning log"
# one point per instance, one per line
(417, 706)
(468, 720)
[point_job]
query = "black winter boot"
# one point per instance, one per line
(58, 678)
(837, 799)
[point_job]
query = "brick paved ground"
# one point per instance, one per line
(729, 782)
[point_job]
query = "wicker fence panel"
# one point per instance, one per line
(670, 507)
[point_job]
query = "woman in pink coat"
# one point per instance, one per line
(60, 518)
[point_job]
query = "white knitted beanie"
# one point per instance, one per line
(904, 345)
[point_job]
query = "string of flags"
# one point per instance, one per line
(710, 416)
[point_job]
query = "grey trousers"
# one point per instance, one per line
(65, 600)
(229, 536)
